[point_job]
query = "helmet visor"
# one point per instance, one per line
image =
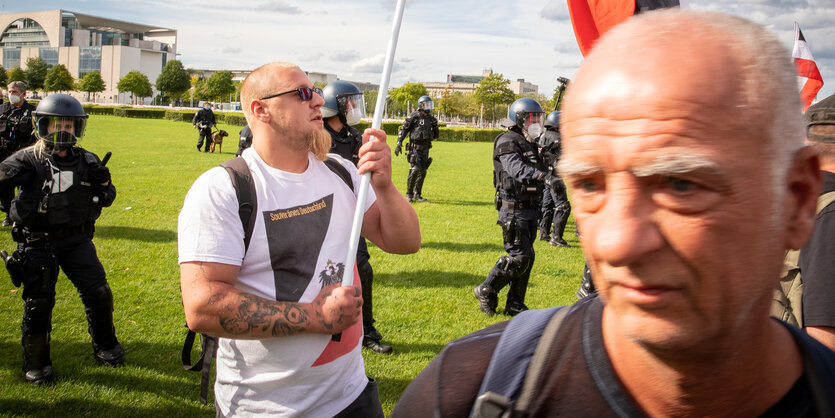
(61, 130)
(353, 107)
(533, 118)
(427, 105)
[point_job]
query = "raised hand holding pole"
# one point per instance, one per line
(365, 180)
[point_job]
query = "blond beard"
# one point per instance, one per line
(317, 142)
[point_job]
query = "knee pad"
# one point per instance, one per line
(98, 297)
(518, 265)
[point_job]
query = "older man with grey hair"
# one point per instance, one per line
(16, 132)
(684, 153)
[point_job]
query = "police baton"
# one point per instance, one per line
(563, 81)
(106, 158)
(365, 181)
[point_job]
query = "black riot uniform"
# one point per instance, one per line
(422, 128)
(63, 189)
(204, 120)
(245, 141)
(555, 207)
(518, 172)
(344, 101)
(16, 132)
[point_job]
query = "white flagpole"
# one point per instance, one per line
(365, 181)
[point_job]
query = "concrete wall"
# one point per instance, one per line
(50, 21)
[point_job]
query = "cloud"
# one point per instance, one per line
(555, 10)
(278, 7)
(345, 56)
(369, 65)
(231, 50)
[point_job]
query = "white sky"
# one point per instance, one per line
(530, 39)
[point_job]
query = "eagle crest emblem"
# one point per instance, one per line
(332, 273)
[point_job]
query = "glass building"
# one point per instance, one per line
(85, 43)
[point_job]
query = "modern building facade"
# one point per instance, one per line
(85, 43)
(468, 83)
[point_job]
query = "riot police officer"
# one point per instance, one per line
(345, 106)
(15, 133)
(245, 141)
(518, 175)
(422, 128)
(555, 206)
(63, 189)
(204, 121)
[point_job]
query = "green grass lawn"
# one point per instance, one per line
(421, 301)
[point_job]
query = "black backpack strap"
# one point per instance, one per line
(340, 171)
(514, 358)
(245, 190)
(208, 351)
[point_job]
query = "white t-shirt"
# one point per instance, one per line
(308, 216)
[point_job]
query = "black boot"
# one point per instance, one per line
(544, 235)
(98, 304)
(586, 285)
(488, 299)
(410, 183)
(421, 176)
(35, 329)
(37, 367)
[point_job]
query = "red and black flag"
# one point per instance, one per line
(592, 18)
(807, 70)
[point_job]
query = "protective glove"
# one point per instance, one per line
(99, 175)
(550, 180)
(398, 149)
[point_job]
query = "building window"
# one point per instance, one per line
(23, 32)
(49, 55)
(11, 58)
(89, 59)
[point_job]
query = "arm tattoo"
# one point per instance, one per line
(257, 314)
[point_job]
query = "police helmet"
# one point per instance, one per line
(60, 120)
(425, 103)
(343, 99)
(553, 120)
(523, 111)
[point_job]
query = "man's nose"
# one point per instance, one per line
(317, 100)
(627, 230)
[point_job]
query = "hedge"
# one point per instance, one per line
(179, 115)
(457, 134)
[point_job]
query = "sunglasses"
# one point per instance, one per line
(305, 93)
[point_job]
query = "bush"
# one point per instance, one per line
(180, 115)
(235, 119)
(98, 110)
(143, 113)
(469, 134)
(120, 111)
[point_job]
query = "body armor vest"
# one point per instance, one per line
(507, 187)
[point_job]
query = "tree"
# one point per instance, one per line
(136, 84)
(3, 76)
(91, 83)
(36, 69)
(370, 97)
(16, 74)
(219, 86)
(174, 80)
(493, 92)
(408, 94)
(58, 78)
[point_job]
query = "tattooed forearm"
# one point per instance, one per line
(260, 315)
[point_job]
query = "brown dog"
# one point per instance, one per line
(217, 139)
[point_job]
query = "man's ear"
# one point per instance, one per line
(804, 182)
(259, 110)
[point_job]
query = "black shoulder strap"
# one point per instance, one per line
(208, 345)
(517, 362)
(245, 190)
(340, 171)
